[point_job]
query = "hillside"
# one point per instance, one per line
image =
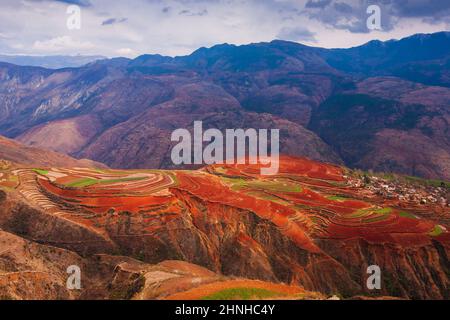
(314, 226)
(33, 271)
(324, 101)
(13, 151)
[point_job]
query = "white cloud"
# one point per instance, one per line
(4, 36)
(126, 52)
(175, 27)
(62, 44)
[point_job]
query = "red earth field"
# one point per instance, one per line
(309, 226)
(307, 200)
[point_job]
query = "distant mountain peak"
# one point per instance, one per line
(51, 62)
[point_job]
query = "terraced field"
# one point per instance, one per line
(318, 198)
(306, 200)
(234, 221)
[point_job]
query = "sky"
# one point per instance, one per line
(178, 27)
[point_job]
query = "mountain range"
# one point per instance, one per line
(383, 106)
(50, 62)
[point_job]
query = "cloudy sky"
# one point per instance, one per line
(177, 27)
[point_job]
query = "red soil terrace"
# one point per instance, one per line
(301, 200)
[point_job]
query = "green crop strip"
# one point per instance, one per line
(243, 294)
(430, 182)
(407, 215)
(273, 186)
(362, 213)
(383, 211)
(82, 183)
(41, 171)
(86, 182)
(338, 198)
(437, 231)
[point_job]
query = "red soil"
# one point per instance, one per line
(302, 216)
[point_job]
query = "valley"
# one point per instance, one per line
(373, 107)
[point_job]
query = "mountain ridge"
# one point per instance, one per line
(50, 62)
(13, 151)
(92, 111)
